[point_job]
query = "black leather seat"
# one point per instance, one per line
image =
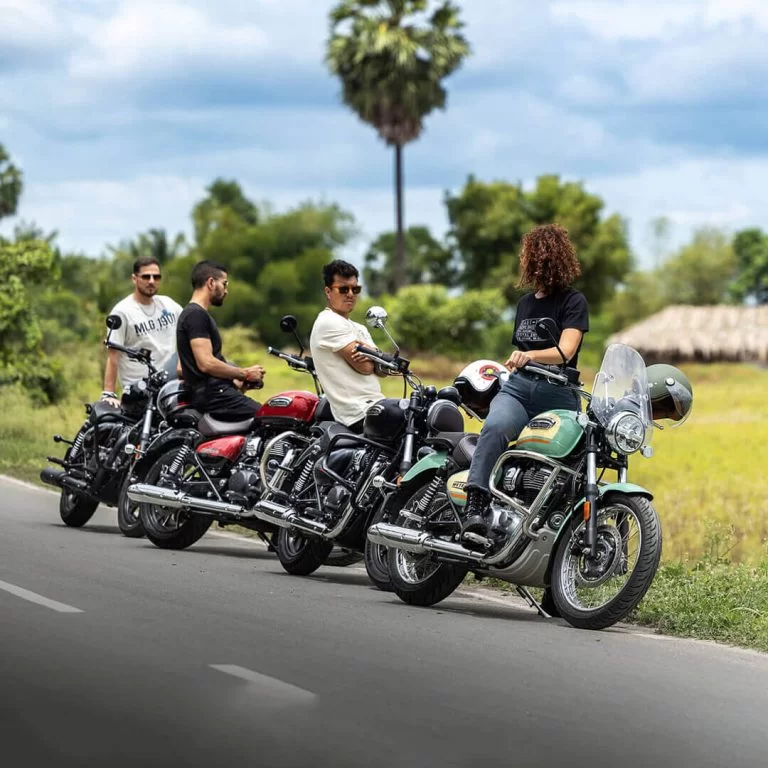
(211, 427)
(104, 412)
(461, 445)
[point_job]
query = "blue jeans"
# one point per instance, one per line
(520, 399)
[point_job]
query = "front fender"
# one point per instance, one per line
(430, 462)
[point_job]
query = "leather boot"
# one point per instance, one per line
(476, 512)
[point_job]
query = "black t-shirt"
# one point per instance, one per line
(567, 308)
(195, 323)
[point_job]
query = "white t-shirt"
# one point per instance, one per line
(350, 393)
(145, 325)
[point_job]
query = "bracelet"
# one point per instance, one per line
(105, 395)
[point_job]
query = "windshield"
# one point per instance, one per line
(621, 384)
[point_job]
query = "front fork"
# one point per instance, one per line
(592, 495)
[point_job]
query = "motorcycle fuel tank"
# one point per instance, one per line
(222, 447)
(294, 404)
(553, 433)
(457, 487)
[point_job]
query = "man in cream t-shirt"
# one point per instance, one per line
(148, 320)
(348, 378)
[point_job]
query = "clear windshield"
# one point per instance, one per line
(621, 384)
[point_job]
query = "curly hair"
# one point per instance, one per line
(548, 259)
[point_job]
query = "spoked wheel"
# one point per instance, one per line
(168, 527)
(301, 555)
(419, 578)
(129, 512)
(596, 593)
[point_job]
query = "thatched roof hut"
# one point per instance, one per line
(700, 334)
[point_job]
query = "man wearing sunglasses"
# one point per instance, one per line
(149, 321)
(348, 378)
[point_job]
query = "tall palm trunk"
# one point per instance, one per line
(400, 240)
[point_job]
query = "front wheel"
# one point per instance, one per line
(376, 561)
(167, 527)
(419, 578)
(301, 555)
(129, 512)
(596, 593)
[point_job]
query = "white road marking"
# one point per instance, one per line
(272, 687)
(33, 597)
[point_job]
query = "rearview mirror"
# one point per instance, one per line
(547, 329)
(114, 322)
(376, 317)
(288, 323)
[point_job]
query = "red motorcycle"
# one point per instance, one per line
(214, 477)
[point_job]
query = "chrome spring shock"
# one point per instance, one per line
(423, 503)
(178, 461)
(77, 444)
(306, 472)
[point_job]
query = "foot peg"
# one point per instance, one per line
(476, 538)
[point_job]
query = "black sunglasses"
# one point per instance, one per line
(150, 277)
(345, 289)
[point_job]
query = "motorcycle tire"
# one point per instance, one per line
(342, 558)
(75, 509)
(301, 555)
(187, 529)
(568, 569)
(376, 563)
(420, 579)
(129, 512)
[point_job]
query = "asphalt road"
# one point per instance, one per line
(115, 653)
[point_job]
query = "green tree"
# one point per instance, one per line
(392, 61)
(700, 272)
(11, 184)
(429, 261)
(488, 221)
(222, 196)
(750, 247)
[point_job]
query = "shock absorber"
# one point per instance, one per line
(178, 461)
(306, 471)
(422, 505)
(77, 444)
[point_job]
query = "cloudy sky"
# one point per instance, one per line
(120, 112)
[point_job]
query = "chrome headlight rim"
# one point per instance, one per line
(615, 432)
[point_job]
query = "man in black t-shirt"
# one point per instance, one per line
(215, 383)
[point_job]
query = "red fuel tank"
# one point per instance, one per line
(295, 404)
(222, 447)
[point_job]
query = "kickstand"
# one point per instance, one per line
(267, 540)
(531, 600)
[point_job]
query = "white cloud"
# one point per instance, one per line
(144, 35)
(28, 22)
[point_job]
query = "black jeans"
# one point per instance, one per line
(520, 399)
(224, 401)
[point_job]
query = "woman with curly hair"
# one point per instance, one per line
(548, 265)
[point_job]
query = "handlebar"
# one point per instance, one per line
(141, 355)
(395, 364)
(294, 361)
(554, 373)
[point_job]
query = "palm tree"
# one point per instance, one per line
(391, 64)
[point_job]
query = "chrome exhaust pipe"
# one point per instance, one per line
(410, 540)
(167, 497)
(287, 517)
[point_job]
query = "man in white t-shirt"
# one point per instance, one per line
(348, 378)
(149, 321)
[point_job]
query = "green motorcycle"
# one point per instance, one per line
(556, 521)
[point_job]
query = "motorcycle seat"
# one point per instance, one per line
(211, 427)
(461, 445)
(101, 412)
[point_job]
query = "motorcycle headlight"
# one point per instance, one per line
(625, 432)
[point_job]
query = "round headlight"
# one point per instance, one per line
(625, 432)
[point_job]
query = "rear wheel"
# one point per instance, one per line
(301, 555)
(75, 509)
(596, 593)
(419, 578)
(167, 527)
(129, 512)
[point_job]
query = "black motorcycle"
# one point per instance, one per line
(329, 492)
(109, 443)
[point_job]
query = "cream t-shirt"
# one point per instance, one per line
(350, 393)
(151, 326)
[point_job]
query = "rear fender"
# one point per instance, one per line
(430, 462)
(165, 441)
